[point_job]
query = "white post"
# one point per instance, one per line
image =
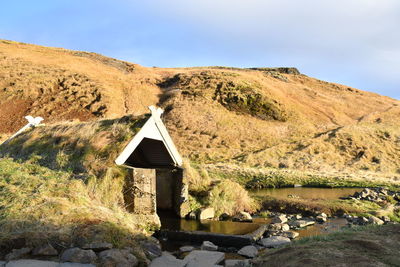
(32, 122)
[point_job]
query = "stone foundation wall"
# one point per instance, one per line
(140, 191)
(149, 189)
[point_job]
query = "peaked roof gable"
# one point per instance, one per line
(153, 129)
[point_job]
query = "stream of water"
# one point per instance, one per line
(171, 222)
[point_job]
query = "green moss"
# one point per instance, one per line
(244, 98)
(253, 178)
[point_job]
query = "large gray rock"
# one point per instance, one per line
(2, 263)
(17, 254)
(274, 241)
(237, 263)
(280, 219)
(242, 217)
(248, 251)
(98, 246)
(117, 257)
(200, 258)
(151, 249)
(290, 234)
(167, 261)
(206, 213)
(79, 255)
(45, 250)
(207, 245)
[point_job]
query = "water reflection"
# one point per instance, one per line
(170, 222)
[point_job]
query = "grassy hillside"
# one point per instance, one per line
(261, 118)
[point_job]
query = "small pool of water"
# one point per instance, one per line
(173, 223)
(306, 192)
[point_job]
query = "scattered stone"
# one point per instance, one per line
(375, 195)
(224, 217)
(203, 258)
(298, 216)
(280, 219)
(32, 263)
(242, 217)
(17, 254)
(273, 232)
(98, 246)
(151, 249)
(285, 227)
(275, 226)
(186, 249)
(167, 261)
(117, 257)
(323, 215)
(362, 220)
(302, 223)
(237, 263)
(290, 234)
(40, 263)
(320, 219)
(45, 250)
(385, 219)
(207, 245)
(375, 220)
(206, 213)
(274, 241)
(79, 255)
(248, 251)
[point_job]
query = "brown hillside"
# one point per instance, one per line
(271, 117)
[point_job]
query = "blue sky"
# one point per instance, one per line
(353, 42)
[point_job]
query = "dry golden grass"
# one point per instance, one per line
(231, 198)
(41, 205)
(363, 246)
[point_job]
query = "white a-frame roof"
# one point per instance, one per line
(151, 147)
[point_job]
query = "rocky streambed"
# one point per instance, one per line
(235, 242)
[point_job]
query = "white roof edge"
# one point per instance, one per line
(146, 131)
(168, 141)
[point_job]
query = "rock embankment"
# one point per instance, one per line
(376, 195)
(389, 200)
(88, 255)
